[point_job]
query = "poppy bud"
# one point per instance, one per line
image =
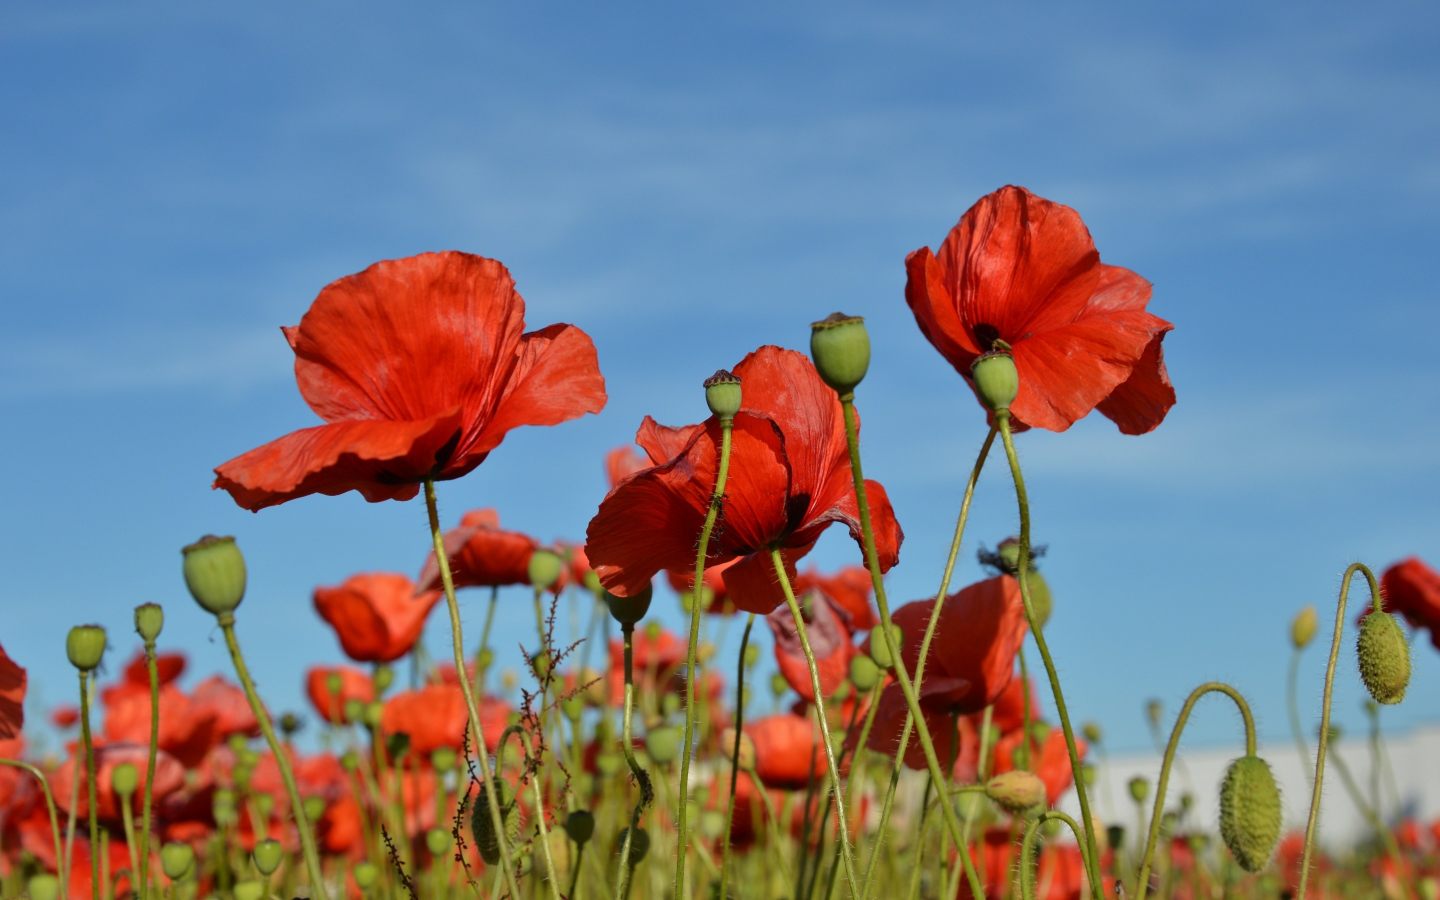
(545, 568)
(484, 658)
(752, 655)
(382, 679)
(778, 685)
(663, 744)
(722, 395)
(397, 744)
(864, 674)
(248, 890)
(996, 380)
(314, 808)
(1016, 791)
(1009, 553)
(372, 713)
(712, 824)
(149, 619)
(264, 804)
(639, 844)
(573, 707)
(353, 710)
(1115, 836)
(334, 684)
(1250, 812)
(1087, 774)
(670, 705)
(747, 747)
(443, 759)
(1187, 803)
(289, 723)
(43, 887)
(629, 610)
(592, 582)
(840, 347)
(1093, 732)
(483, 827)
(350, 760)
(608, 764)
(1384, 658)
(215, 573)
(1153, 709)
(365, 875)
(1139, 789)
(437, 841)
(1303, 627)
(85, 645)
(268, 855)
(176, 860)
(125, 778)
(580, 825)
(881, 653)
(1429, 888)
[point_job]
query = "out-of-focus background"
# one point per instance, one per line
(178, 179)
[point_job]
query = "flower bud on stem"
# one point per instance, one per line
(62, 886)
(149, 620)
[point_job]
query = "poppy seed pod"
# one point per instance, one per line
(1139, 789)
(1093, 732)
(384, 677)
(840, 347)
(778, 685)
(663, 744)
(176, 860)
(437, 841)
(1250, 812)
(996, 379)
(314, 808)
(881, 653)
(365, 874)
(268, 855)
(629, 610)
(1303, 627)
(864, 674)
(1016, 791)
(85, 645)
(722, 394)
(443, 759)
(149, 619)
(639, 844)
(545, 568)
(43, 887)
(483, 828)
(248, 890)
(125, 778)
(1384, 658)
(580, 826)
(215, 573)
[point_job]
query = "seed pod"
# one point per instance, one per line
(1016, 791)
(663, 744)
(1139, 789)
(85, 645)
(712, 824)
(996, 379)
(752, 655)
(176, 860)
(443, 759)
(1115, 836)
(125, 778)
(545, 568)
(248, 890)
(1093, 732)
(43, 887)
(629, 610)
(864, 674)
(840, 347)
(778, 685)
(1384, 658)
(1250, 812)
(290, 723)
(215, 573)
(149, 619)
(365, 874)
(437, 841)
(639, 844)
(314, 808)
(722, 394)
(483, 828)
(879, 651)
(1303, 627)
(268, 855)
(382, 679)
(580, 825)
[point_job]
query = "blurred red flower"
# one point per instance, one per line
(789, 479)
(378, 617)
(65, 716)
(653, 653)
(829, 641)
(12, 697)
(481, 554)
(849, 589)
(419, 368)
(623, 462)
(1049, 759)
(226, 702)
(354, 685)
(169, 777)
(1024, 270)
(187, 729)
(787, 750)
(435, 717)
(168, 667)
(1413, 588)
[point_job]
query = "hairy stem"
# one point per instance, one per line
(54, 818)
(735, 756)
(152, 750)
(92, 812)
(647, 793)
(1027, 848)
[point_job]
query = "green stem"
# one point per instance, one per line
(551, 877)
(127, 822)
(54, 818)
(735, 756)
(1143, 884)
(683, 838)
(1092, 855)
(226, 621)
(92, 813)
(152, 751)
(1291, 679)
(917, 863)
(1026, 714)
(1027, 848)
(477, 730)
(915, 719)
(1368, 813)
(1317, 785)
(647, 792)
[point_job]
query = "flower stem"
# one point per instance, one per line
(735, 756)
(1142, 884)
(92, 812)
(696, 587)
(477, 730)
(1027, 848)
(54, 818)
(226, 622)
(1291, 679)
(1318, 782)
(1092, 856)
(647, 792)
(148, 803)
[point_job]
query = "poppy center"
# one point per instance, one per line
(985, 336)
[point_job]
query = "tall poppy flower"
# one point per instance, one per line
(354, 685)
(12, 696)
(226, 702)
(169, 777)
(829, 641)
(187, 729)
(168, 667)
(789, 480)
(848, 589)
(419, 367)
(1024, 270)
(1413, 588)
(378, 617)
(482, 554)
(435, 717)
(787, 751)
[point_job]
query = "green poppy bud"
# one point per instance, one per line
(639, 844)
(443, 759)
(248, 890)
(1429, 888)
(1016, 791)
(592, 582)
(1153, 710)
(573, 707)
(722, 395)
(840, 347)
(608, 764)
(996, 379)
(437, 841)
(215, 573)
(1040, 602)
(752, 655)
(264, 805)
(663, 744)
(545, 568)
(397, 744)
(864, 674)
(373, 713)
(268, 855)
(1303, 627)
(485, 658)
(1139, 789)
(712, 824)
(580, 826)
(85, 645)
(881, 653)
(43, 887)
(125, 778)
(482, 827)
(1384, 658)
(314, 808)
(1115, 836)
(778, 685)
(382, 679)
(1093, 732)
(290, 723)
(149, 619)
(1087, 774)
(1168, 821)
(1250, 812)
(349, 760)
(629, 610)
(365, 874)
(176, 860)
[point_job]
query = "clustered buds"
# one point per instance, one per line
(722, 394)
(840, 347)
(85, 645)
(1250, 812)
(996, 379)
(1384, 657)
(215, 574)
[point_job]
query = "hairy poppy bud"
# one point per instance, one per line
(629, 610)
(1139, 789)
(881, 653)
(580, 826)
(1040, 602)
(722, 394)
(365, 874)
(125, 778)
(176, 859)
(215, 573)
(639, 844)
(43, 887)
(149, 619)
(1093, 732)
(1384, 658)
(268, 855)
(85, 645)
(747, 748)
(443, 759)
(1250, 812)
(483, 828)
(663, 744)
(840, 347)
(996, 379)
(864, 674)
(1303, 627)
(1016, 790)
(437, 841)
(545, 568)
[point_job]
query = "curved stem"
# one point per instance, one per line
(226, 622)
(540, 826)
(1324, 741)
(696, 587)
(1292, 678)
(1092, 855)
(1142, 885)
(54, 817)
(1027, 848)
(92, 812)
(477, 730)
(152, 750)
(735, 756)
(647, 793)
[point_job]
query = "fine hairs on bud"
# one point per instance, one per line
(1250, 812)
(1384, 657)
(483, 828)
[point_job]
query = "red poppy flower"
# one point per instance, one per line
(339, 829)
(187, 729)
(169, 777)
(849, 589)
(12, 697)
(1024, 270)
(1050, 759)
(622, 462)
(787, 751)
(829, 641)
(1009, 708)
(354, 685)
(1059, 875)
(80, 885)
(227, 704)
(714, 595)
(653, 653)
(168, 667)
(481, 554)
(1413, 588)
(789, 479)
(378, 617)
(419, 368)
(65, 716)
(435, 717)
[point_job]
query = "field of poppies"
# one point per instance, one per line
(920, 750)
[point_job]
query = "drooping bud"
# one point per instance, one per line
(840, 347)
(437, 841)
(722, 395)
(1303, 627)
(149, 619)
(747, 748)
(580, 826)
(1153, 710)
(629, 610)
(43, 887)
(125, 778)
(268, 855)
(996, 379)
(545, 568)
(176, 859)
(864, 674)
(365, 874)
(1016, 791)
(85, 645)
(879, 651)
(1139, 788)
(483, 828)
(215, 573)
(639, 844)
(663, 744)
(1384, 658)
(1250, 812)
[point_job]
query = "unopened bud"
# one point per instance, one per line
(176, 859)
(43, 887)
(314, 808)
(840, 347)
(1093, 733)
(778, 685)
(1303, 627)
(248, 890)
(1016, 791)
(268, 855)
(545, 568)
(747, 748)
(443, 759)
(670, 705)
(382, 679)
(290, 723)
(125, 778)
(639, 844)
(149, 619)
(353, 710)
(1139, 789)
(996, 379)
(1115, 836)
(629, 610)
(752, 655)
(1153, 710)
(1250, 812)
(350, 760)
(722, 395)
(85, 645)
(663, 744)
(215, 573)
(1384, 658)
(864, 674)
(1041, 604)
(878, 649)
(373, 713)
(365, 874)
(437, 841)
(482, 825)
(580, 826)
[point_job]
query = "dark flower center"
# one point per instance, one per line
(985, 335)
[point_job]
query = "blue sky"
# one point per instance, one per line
(687, 183)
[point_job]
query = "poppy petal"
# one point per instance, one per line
(829, 641)
(935, 311)
(1140, 403)
(887, 531)
(13, 681)
(663, 443)
(751, 582)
